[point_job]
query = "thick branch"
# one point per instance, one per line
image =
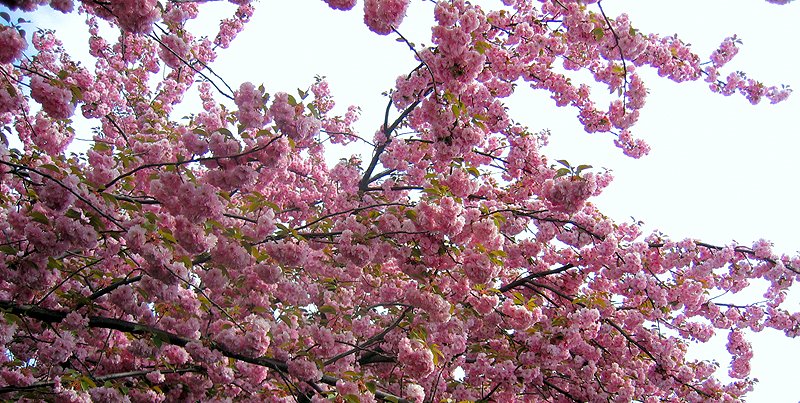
(367, 178)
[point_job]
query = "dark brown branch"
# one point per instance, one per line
(367, 178)
(559, 390)
(372, 340)
(109, 288)
(739, 249)
(526, 279)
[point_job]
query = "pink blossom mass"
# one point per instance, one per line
(217, 255)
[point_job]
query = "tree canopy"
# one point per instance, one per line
(219, 257)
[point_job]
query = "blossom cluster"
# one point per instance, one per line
(223, 257)
(381, 16)
(11, 45)
(55, 100)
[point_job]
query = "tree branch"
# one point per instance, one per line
(102, 378)
(517, 283)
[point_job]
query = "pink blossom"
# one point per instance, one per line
(381, 16)
(417, 359)
(107, 395)
(270, 274)
(57, 195)
(52, 137)
(230, 228)
(414, 393)
(65, 6)
(288, 119)
(250, 101)
(477, 267)
(175, 355)
(55, 100)
(304, 369)
(341, 4)
(568, 193)
(11, 45)
(173, 51)
(136, 16)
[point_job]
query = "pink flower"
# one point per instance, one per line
(65, 6)
(11, 45)
(136, 16)
(477, 267)
(55, 100)
(381, 16)
(250, 101)
(175, 355)
(417, 359)
(52, 137)
(173, 50)
(568, 193)
(268, 273)
(289, 120)
(414, 393)
(304, 369)
(57, 196)
(107, 394)
(341, 4)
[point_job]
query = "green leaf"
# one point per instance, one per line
(562, 172)
(39, 217)
(598, 33)
(96, 222)
(157, 341)
(437, 354)
(130, 206)
(327, 309)
(482, 46)
(51, 167)
(419, 334)
(101, 146)
(109, 198)
(87, 383)
(5, 16)
(564, 163)
(167, 235)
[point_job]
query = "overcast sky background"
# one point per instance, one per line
(720, 169)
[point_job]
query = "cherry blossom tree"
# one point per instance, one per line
(218, 257)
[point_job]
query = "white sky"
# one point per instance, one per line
(720, 169)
